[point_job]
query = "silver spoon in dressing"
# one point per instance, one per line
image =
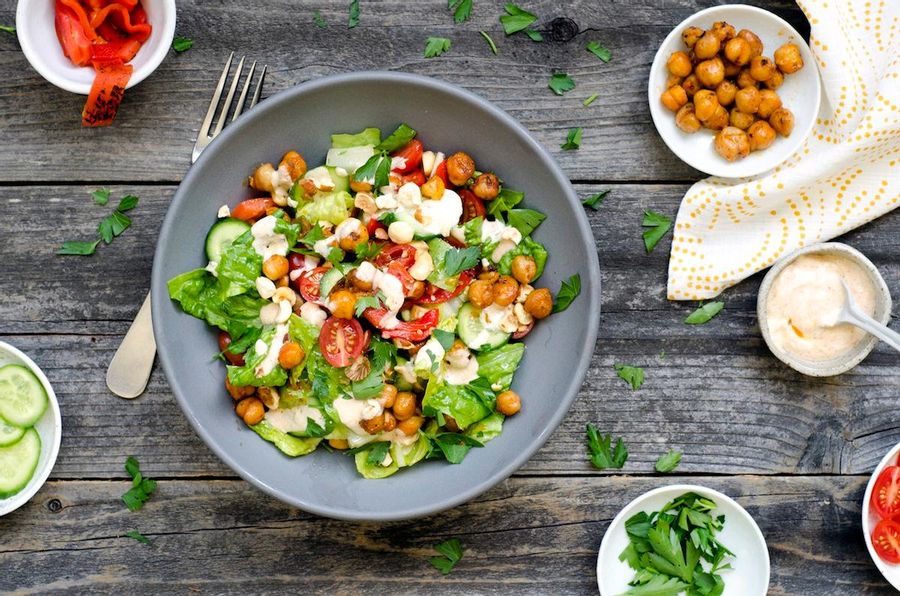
(851, 313)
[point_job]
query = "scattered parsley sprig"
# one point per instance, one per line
(141, 488)
(594, 200)
(602, 453)
(182, 44)
(110, 227)
(451, 552)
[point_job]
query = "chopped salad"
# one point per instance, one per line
(376, 302)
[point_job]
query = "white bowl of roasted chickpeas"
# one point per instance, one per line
(734, 91)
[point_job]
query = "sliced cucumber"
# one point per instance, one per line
(22, 397)
(473, 332)
(18, 462)
(224, 232)
(341, 183)
(9, 434)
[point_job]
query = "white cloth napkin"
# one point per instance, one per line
(846, 174)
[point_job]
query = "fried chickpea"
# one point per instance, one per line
(359, 284)
(505, 290)
(744, 79)
(731, 69)
(339, 444)
(739, 119)
(251, 410)
(411, 425)
(523, 268)
(690, 35)
(404, 405)
(342, 303)
(269, 397)
(705, 104)
(486, 187)
(490, 276)
(725, 92)
(782, 120)
(373, 425)
(710, 72)
(762, 68)
(719, 119)
(460, 168)
(747, 100)
(686, 119)
(691, 84)
(451, 424)
(262, 178)
(417, 289)
(672, 80)
(360, 185)
(294, 163)
(290, 355)
(768, 103)
(723, 31)
(283, 282)
(388, 396)
(390, 423)
(775, 81)
(738, 51)
(679, 64)
(707, 46)
(732, 143)
(481, 293)
(434, 188)
(674, 97)
(509, 403)
(761, 135)
(539, 303)
(788, 58)
(756, 44)
(238, 393)
(351, 238)
(275, 267)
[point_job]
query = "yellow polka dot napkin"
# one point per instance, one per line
(846, 174)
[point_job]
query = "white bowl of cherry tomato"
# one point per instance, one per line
(881, 517)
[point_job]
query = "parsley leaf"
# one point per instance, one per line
(137, 536)
(457, 260)
(375, 170)
(312, 236)
(516, 19)
(141, 488)
(534, 35)
(599, 51)
(601, 452)
(659, 585)
(182, 44)
(445, 338)
(77, 248)
(668, 462)
(452, 552)
(455, 446)
(573, 140)
(127, 203)
(353, 20)
(378, 453)
(704, 313)
(113, 225)
(525, 220)
(561, 83)
(462, 9)
(490, 41)
(633, 375)
(366, 251)
(101, 196)
(383, 352)
(8, 28)
(435, 46)
(657, 225)
(335, 256)
(589, 100)
(319, 20)
(364, 302)
(594, 200)
(400, 137)
(570, 290)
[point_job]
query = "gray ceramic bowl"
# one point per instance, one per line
(447, 118)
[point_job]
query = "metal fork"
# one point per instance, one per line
(129, 369)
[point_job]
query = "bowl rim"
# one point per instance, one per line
(591, 279)
(827, 368)
(712, 493)
(10, 504)
(727, 170)
(32, 54)
(890, 456)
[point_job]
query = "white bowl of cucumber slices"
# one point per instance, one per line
(30, 428)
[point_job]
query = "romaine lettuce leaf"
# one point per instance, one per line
(486, 429)
(498, 366)
(368, 136)
(307, 335)
(331, 207)
(373, 471)
(529, 248)
(287, 444)
(198, 293)
(461, 402)
(241, 376)
(407, 455)
(239, 267)
(472, 231)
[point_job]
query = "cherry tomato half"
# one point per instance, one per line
(307, 283)
(341, 341)
(441, 172)
(523, 332)
(886, 494)
(886, 540)
(436, 295)
(412, 153)
(417, 178)
(472, 206)
(373, 225)
(413, 331)
(224, 342)
(405, 254)
(252, 209)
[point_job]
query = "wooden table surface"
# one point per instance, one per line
(795, 451)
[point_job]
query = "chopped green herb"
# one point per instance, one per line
(364, 302)
(525, 220)
(335, 256)
(8, 28)
(516, 19)
(101, 196)
(601, 451)
(375, 170)
(182, 44)
(561, 83)
(319, 20)
(490, 41)
(366, 251)
(378, 453)
(570, 290)
(633, 375)
(657, 225)
(455, 446)
(461, 9)
(137, 536)
(704, 313)
(534, 35)
(589, 100)
(435, 46)
(457, 260)
(599, 51)
(594, 200)
(451, 551)
(668, 462)
(127, 203)
(397, 139)
(353, 21)
(445, 338)
(113, 225)
(77, 248)
(573, 140)
(141, 488)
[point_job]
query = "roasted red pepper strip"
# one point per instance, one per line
(436, 295)
(417, 330)
(120, 49)
(82, 16)
(122, 19)
(75, 44)
(106, 92)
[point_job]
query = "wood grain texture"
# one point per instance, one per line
(527, 536)
(159, 118)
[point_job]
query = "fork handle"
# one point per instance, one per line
(129, 370)
(870, 325)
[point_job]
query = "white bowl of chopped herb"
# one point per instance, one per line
(649, 545)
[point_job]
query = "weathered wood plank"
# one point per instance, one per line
(159, 119)
(527, 536)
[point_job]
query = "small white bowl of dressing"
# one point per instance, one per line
(800, 298)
